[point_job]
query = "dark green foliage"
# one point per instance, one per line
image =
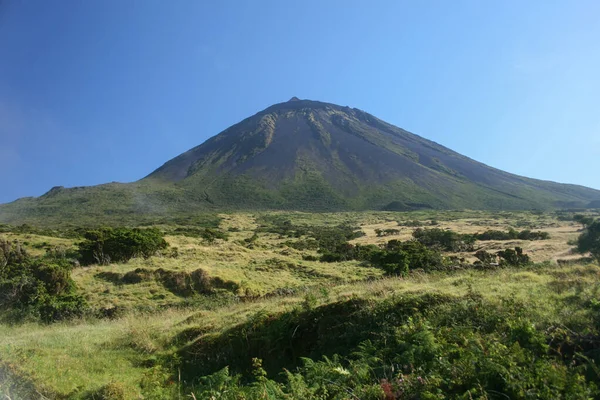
(280, 340)
(41, 288)
(29, 229)
(386, 232)
(503, 258)
(485, 257)
(531, 235)
(327, 239)
(445, 240)
(345, 251)
(512, 234)
(413, 223)
(210, 235)
(584, 220)
(11, 254)
(497, 235)
(308, 244)
(513, 258)
(589, 240)
(397, 257)
(107, 245)
(411, 347)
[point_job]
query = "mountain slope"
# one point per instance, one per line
(305, 155)
(311, 155)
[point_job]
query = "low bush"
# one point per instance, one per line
(512, 234)
(503, 258)
(589, 240)
(38, 288)
(386, 232)
(106, 245)
(445, 240)
(398, 258)
(210, 235)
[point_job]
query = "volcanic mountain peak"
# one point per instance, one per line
(348, 159)
(310, 155)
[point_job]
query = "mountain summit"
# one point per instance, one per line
(309, 155)
(306, 154)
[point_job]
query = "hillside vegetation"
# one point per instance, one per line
(374, 305)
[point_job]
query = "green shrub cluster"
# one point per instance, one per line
(584, 220)
(386, 232)
(397, 257)
(72, 233)
(39, 288)
(413, 347)
(506, 257)
(327, 239)
(589, 240)
(210, 235)
(106, 245)
(412, 223)
(448, 240)
(445, 240)
(512, 234)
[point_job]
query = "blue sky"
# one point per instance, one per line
(108, 90)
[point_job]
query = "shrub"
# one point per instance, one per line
(514, 258)
(11, 254)
(327, 238)
(397, 258)
(208, 234)
(589, 240)
(512, 235)
(307, 244)
(107, 245)
(583, 220)
(485, 257)
(346, 251)
(497, 235)
(444, 239)
(413, 223)
(41, 288)
(386, 232)
(530, 235)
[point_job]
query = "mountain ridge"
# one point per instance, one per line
(310, 156)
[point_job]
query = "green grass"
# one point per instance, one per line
(154, 329)
(69, 358)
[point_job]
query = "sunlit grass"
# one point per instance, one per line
(77, 358)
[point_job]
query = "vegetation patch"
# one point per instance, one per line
(107, 245)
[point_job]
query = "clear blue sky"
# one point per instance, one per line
(108, 90)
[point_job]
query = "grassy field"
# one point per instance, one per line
(146, 347)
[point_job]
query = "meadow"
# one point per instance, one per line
(248, 309)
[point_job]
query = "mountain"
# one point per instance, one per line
(306, 155)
